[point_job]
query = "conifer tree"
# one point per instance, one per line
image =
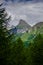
(4, 38)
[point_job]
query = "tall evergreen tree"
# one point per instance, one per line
(17, 53)
(4, 38)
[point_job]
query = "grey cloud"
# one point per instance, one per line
(30, 12)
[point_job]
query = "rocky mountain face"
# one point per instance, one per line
(22, 26)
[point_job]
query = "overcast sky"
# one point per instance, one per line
(29, 10)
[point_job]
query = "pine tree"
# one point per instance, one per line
(17, 52)
(4, 37)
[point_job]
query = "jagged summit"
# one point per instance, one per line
(23, 24)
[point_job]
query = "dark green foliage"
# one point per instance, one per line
(4, 39)
(36, 51)
(16, 53)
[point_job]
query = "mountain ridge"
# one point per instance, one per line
(23, 26)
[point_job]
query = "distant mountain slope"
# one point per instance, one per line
(23, 26)
(20, 28)
(38, 24)
(26, 37)
(38, 27)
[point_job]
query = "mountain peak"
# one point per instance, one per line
(23, 24)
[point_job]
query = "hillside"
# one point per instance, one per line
(38, 27)
(27, 36)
